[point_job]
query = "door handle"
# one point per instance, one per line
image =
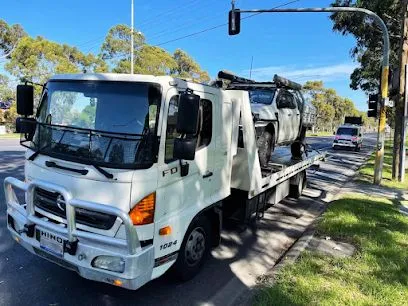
(297, 114)
(207, 174)
(289, 115)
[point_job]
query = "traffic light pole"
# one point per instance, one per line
(379, 157)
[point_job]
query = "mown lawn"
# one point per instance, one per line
(318, 134)
(366, 173)
(376, 275)
(10, 136)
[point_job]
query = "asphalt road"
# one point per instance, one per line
(234, 266)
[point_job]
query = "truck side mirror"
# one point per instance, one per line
(184, 148)
(234, 22)
(25, 100)
(26, 126)
(187, 126)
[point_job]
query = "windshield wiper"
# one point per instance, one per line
(104, 172)
(36, 153)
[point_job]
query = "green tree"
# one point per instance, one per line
(36, 59)
(331, 108)
(154, 60)
(368, 50)
(115, 49)
(187, 67)
(9, 37)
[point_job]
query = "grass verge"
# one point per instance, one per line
(318, 134)
(10, 136)
(366, 172)
(376, 275)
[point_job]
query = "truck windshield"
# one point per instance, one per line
(258, 96)
(111, 124)
(347, 131)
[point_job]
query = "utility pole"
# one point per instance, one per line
(234, 21)
(401, 110)
(132, 37)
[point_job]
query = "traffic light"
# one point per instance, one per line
(234, 22)
(373, 105)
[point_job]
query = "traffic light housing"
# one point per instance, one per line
(234, 22)
(373, 105)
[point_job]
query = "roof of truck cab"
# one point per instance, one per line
(118, 77)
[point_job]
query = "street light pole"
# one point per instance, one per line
(379, 157)
(132, 38)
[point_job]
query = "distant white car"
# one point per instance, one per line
(348, 136)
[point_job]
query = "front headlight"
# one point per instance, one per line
(110, 263)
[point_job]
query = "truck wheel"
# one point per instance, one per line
(297, 149)
(194, 250)
(296, 190)
(266, 145)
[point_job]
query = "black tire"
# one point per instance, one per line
(335, 148)
(302, 135)
(356, 149)
(190, 260)
(297, 149)
(266, 145)
(295, 191)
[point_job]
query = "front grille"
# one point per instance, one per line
(54, 203)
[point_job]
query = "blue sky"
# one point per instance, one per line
(299, 46)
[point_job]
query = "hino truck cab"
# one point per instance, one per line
(127, 176)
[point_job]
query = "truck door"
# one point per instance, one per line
(287, 116)
(297, 114)
(194, 191)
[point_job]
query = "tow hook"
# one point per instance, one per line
(28, 230)
(71, 247)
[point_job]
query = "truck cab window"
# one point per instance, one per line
(205, 135)
(204, 138)
(171, 132)
(286, 100)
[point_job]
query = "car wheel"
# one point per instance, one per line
(194, 250)
(297, 149)
(335, 147)
(266, 145)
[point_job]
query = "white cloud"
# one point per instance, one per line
(329, 73)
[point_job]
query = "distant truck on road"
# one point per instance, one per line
(129, 176)
(349, 135)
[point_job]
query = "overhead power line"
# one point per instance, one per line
(219, 26)
(212, 28)
(149, 21)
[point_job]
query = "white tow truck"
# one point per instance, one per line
(128, 176)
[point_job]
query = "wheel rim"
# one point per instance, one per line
(195, 246)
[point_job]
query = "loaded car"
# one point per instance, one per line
(281, 114)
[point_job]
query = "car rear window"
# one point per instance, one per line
(347, 131)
